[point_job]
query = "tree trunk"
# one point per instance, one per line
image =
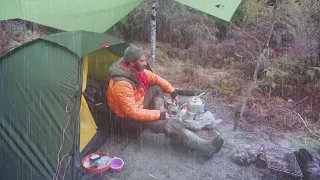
(153, 32)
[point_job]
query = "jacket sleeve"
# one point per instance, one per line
(155, 79)
(124, 95)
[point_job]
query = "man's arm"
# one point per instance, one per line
(164, 84)
(156, 79)
(124, 95)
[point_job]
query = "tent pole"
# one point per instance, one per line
(76, 157)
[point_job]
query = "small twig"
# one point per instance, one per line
(198, 96)
(314, 129)
(152, 176)
(304, 123)
(301, 101)
(270, 90)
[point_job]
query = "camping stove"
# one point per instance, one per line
(194, 109)
(193, 114)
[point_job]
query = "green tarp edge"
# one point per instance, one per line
(93, 15)
(222, 9)
(96, 15)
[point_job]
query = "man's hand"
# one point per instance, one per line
(168, 116)
(175, 100)
(164, 116)
(174, 97)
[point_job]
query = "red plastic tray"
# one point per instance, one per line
(96, 171)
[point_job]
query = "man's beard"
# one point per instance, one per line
(139, 69)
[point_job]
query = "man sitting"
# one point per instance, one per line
(135, 96)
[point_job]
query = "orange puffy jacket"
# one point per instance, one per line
(125, 93)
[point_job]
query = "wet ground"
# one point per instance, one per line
(153, 156)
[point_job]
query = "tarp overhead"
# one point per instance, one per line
(222, 9)
(95, 15)
(69, 15)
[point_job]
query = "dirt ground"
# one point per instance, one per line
(153, 156)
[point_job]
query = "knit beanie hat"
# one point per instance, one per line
(132, 53)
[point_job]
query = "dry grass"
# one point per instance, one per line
(254, 11)
(230, 83)
(14, 33)
(178, 67)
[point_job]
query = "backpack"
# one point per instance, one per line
(309, 162)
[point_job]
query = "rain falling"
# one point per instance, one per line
(159, 89)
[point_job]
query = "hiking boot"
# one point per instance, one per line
(205, 147)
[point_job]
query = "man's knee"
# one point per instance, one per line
(156, 90)
(153, 92)
(155, 126)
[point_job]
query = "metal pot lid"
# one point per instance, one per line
(196, 102)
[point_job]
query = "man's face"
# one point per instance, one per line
(140, 64)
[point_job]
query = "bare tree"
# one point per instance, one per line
(153, 32)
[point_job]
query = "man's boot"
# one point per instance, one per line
(206, 147)
(184, 136)
(178, 133)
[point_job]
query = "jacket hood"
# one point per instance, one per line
(116, 69)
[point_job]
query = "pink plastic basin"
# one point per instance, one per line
(116, 164)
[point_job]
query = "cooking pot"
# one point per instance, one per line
(196, 105)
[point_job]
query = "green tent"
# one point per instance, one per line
(42, 104)
(96, 15)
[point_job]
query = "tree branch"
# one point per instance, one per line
(262, 56)
(305, 124)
